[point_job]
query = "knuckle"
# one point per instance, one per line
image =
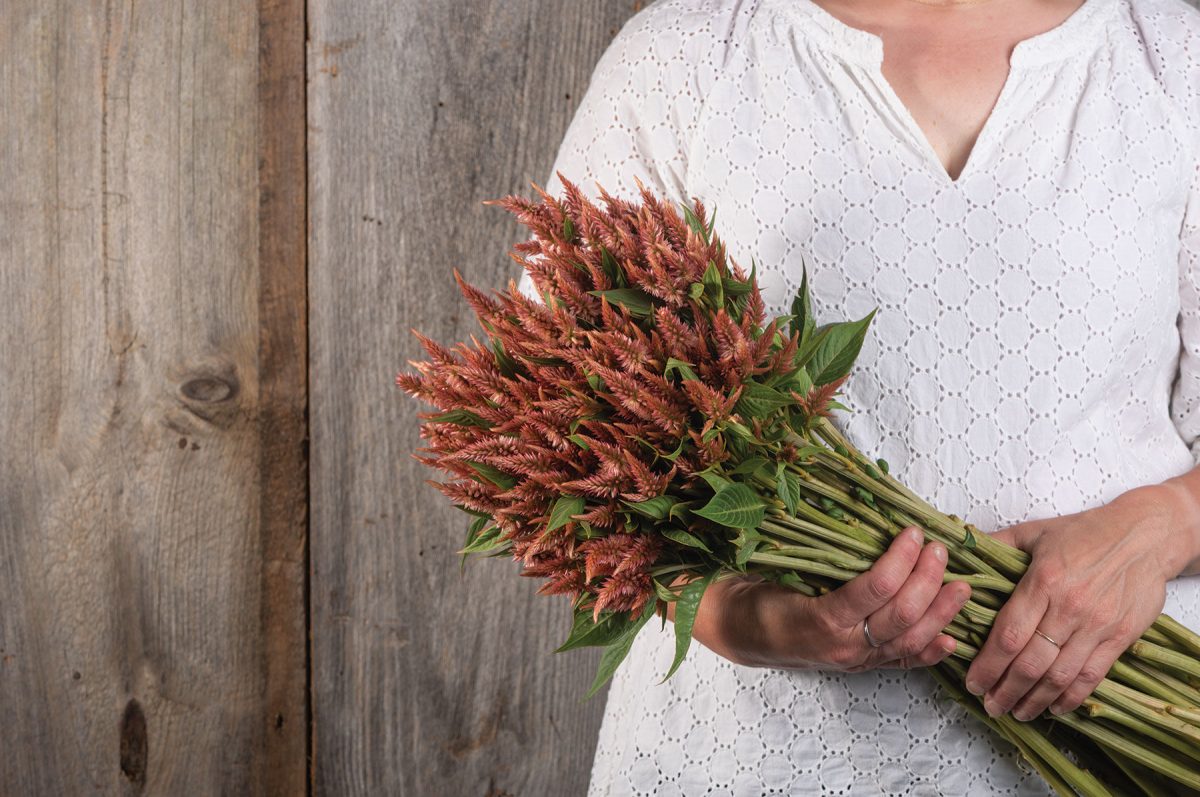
(1075, 600)
(1008, 641)
(1047, 576)
(843, 657)
(1090, 676)
(907, 647)
(1027, 669)
(1124, 630)
(1058, 678)
(907, 613)
(882, 586)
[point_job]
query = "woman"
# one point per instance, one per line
(1015, 184)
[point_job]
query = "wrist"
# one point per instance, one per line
(1179, 502)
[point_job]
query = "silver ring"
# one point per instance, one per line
(870, 639)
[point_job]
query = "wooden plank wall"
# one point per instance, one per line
(152, 398)
(427, 681)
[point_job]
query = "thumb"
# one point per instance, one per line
(1020, 535)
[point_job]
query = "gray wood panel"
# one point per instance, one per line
(427, 681)
(152, 389)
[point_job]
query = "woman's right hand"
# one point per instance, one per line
(901, 598)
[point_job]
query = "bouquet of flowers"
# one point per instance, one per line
(646, 430)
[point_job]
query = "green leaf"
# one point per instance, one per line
(595, 382)
(835, 355)
(808, 349)
(714, 287)
(493, 474)
(798, 381)
(883, 465)
(684, 368)
(636, 302)
(680, 511)
(585, 531)
(618, 650)
(693, 221)
(749, 466)
(714, 480)
(656, 508)
(759, 401)
(712, 223)
(568, 229)
(740, 430)
(686, 607)
(969, 543)
(663, 593)
(674, 455)
(608, 264)
(488, 540)
(802, 314)
(710, 434)
(696, 289)
(564, 508)
(461, 418)
(588, 633)
(747, 542)
(735, 506)
(580, 441)
(734, 288)
(507, 365)
(788, 487)
(685, 538)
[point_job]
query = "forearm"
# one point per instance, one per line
(1180, 498)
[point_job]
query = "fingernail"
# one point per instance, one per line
(991, 708)
(963, 597)
(1056, 709)
(1022, 715)
(939, 551)
(974, 688)
(915, 534)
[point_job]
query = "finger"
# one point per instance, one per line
(1061, 674)
(1014, 625)
(1029, 666)
(949, 599)
(1090, 676)
(914, 598)
(937, 650)
(862, 595)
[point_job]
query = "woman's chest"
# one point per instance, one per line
(1058, 245)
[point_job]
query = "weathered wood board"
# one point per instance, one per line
(152, 398)
(427, 681)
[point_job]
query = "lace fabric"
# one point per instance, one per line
(1036, 351)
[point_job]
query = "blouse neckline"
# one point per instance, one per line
(1081, 28)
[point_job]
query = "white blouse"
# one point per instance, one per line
(1036, 351)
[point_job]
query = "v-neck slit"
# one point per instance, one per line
(865, 49)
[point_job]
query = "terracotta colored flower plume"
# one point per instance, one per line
(567, 411)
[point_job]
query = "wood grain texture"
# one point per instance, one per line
(427, 681)
(152, 391)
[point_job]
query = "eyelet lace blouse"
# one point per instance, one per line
(1036, 350)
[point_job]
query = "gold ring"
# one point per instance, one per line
(1048, 639)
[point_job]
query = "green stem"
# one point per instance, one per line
(1148, 651)
(1130, 748)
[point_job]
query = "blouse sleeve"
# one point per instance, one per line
(1185, 397)
(637, 113)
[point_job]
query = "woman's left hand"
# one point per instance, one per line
(1096, 582)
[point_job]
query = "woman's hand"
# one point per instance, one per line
(1096, 582)
(901, 598)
